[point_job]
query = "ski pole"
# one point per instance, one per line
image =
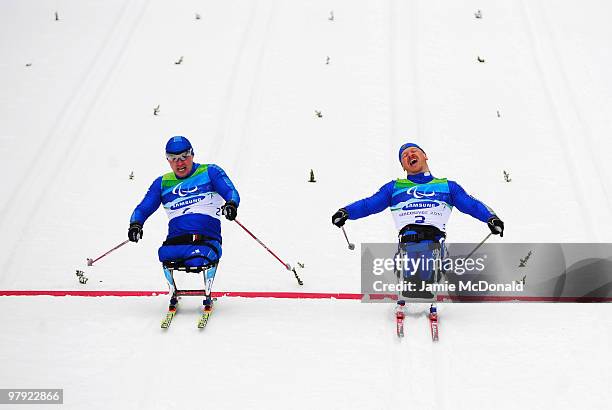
(286, 265)
(90, 261)
(479, 245)
(351, 246)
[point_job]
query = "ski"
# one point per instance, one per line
(202, 321)
(204, 317)
(433, 322)
(399, 318)
(165, 324)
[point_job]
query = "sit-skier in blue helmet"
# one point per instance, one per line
(420, 206)
(194, 197)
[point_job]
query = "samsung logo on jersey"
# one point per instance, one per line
(185, 203)
(420, 205)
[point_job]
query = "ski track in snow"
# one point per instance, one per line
(62, 138)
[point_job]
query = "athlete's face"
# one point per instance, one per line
(414, 161)
(181, 166)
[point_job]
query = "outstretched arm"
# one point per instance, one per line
(468, 204)
(222, 184)
(374, 204)
(149, 204)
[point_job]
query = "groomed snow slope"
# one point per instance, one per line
(76, 118)
(306, 354)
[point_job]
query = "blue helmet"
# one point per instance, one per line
(178, 144)
(408, 145)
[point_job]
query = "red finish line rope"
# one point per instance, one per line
(299, 295)
(120, 293)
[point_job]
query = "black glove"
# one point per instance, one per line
(230, 210)
(340, 217)
(135, 232)
(496, 226)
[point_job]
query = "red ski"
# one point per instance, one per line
(399, 317)
(433, 322)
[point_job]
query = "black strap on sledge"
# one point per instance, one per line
(420, 233)
(190, 239)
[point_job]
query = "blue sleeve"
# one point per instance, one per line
(372, 205)
(468, 204)
(222, 184)
(149, 204)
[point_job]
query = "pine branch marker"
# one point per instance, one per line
(312, 177)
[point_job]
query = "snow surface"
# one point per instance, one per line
(306, 354)
(253, 75)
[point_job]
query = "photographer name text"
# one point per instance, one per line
(461, 286)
